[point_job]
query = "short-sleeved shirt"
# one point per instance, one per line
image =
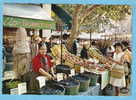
(37, 63)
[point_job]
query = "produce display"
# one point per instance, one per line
(12, 84)
(81, 78)
(68, 57)
(52, 89)
(63, 69)
(76, 62)
(95, 54)
(69, 83)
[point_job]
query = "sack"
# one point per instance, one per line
(117, 73)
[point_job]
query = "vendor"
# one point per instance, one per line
(42, 63)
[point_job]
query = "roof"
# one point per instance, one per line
(26, 11)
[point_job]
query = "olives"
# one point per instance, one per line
(81, 78)
(52, 91)
(12, 84)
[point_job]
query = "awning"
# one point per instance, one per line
(27, 16)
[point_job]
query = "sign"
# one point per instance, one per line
(72, 72)
(22, 88)
(14, 91)
(9, 75)
(59, 76)
(42, 80)
(10, 21)
(46, 33)
(82, 69)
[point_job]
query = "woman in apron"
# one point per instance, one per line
(118, 58)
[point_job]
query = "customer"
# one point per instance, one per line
(127, 63)
(35, 46)
(84, 53)
(42, 64)
(46, 42)
(118, 58)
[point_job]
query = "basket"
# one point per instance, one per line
(71, 86)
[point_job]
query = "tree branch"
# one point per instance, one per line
(87, 12)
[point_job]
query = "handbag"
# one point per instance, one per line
(117, 72)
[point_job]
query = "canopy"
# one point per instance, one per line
(27, 16)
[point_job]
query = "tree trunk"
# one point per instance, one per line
(75, 28)
(77, 21)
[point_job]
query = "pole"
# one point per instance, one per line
(90, 38)
(61, 42)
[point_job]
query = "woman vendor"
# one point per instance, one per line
(42, 63)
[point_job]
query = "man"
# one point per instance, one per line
(42, 63)
(46, 42)
(35, 46)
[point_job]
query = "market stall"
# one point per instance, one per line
(18, 18)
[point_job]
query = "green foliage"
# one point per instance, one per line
(99, 16)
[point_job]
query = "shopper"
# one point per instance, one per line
(46, 42)
(35, 46)
(74, 48)
(127, 63)
(84, 53)
(110, 51)
(118, 58)
(42, 64)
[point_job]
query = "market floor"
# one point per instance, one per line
(126, 94)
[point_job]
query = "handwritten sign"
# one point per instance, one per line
(59, 76)
(14, 91)
(72, 72)
(9, 75)
(42, 80)
(22, 88)
(82, 69)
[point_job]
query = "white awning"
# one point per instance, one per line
(26, 11)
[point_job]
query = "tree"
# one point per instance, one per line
(92, 15)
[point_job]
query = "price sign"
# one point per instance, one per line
(82, 69)
(9, 75)
(72, 72)
(59, 76)
(22, 88)
(14, 91)
(41, 80)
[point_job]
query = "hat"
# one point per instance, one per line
(43, 48)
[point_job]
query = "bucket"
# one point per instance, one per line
(109, 90)
(92, 76)
(63, 69)
(55, 89)
(71, 86)
(84, 82)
